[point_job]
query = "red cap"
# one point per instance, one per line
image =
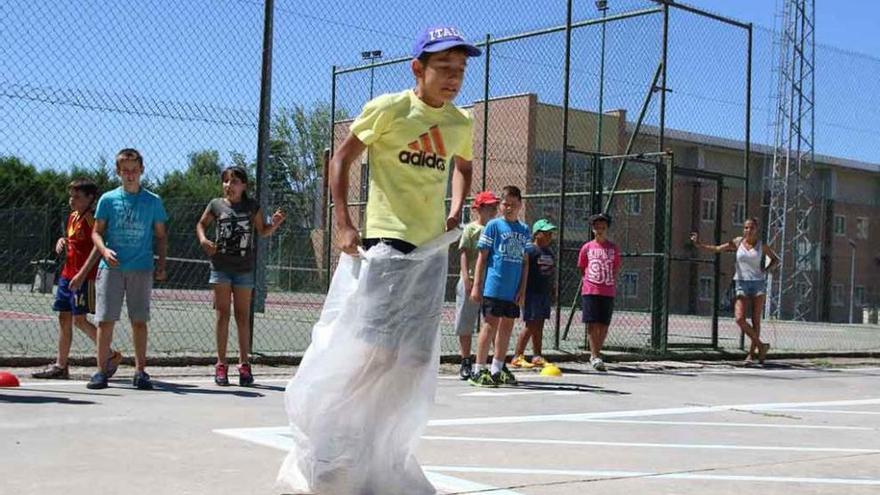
(485, 198)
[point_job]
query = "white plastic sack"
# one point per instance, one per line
(360, 399)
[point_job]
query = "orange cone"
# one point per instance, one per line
(7, 379)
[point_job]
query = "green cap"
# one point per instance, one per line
(542, 225)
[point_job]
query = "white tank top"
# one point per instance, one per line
(748, 262)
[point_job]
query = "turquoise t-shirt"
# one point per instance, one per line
(130, 219)
(507, 243)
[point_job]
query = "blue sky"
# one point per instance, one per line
(81, 79)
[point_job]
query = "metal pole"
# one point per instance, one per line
(662, 210)
(263, 153)
(566, 80)
(716, 298)
(486, 67)
(748, 145)
(598, 169)
(852, 278)
(328, 201)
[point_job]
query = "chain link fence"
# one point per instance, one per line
(182, 83)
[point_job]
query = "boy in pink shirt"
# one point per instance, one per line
(599, 263)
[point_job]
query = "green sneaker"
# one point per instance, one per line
(482, 379)
(505, 377)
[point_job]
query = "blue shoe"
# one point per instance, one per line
(97, 381)
(142, 381)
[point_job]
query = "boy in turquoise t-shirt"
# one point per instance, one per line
(128, 220)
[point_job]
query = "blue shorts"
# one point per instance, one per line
(243, 280)
(537, 306)
(79, 302)
(750, 288)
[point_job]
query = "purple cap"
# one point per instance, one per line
(438, 38)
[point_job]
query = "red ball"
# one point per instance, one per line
(7, 379)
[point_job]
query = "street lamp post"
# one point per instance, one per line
(852, 278)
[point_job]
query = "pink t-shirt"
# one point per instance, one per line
(600, 262)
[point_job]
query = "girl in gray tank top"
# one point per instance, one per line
(237, 219)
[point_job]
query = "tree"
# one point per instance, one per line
(296, 160)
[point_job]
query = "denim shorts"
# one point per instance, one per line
(244, 280)
(750, 288)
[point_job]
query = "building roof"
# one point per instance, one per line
(733, 144)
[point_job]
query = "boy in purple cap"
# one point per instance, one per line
(360, 398)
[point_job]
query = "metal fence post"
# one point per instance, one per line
(564, 169)
(716, 276)
(262, 157)
(487, 67)
(328, 199)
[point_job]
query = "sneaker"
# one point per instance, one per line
(141, 381)
(483, 378)
(245, 377)
(52, 372)
(113, 363)
(762, 352)
(597, 364)
(467, 368)
(505, 377)
(97, 381)
(521, 362)
(221, 375)
(539, 361)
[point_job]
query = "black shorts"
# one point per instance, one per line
(499, 308)
(597, 309)
(402, 246)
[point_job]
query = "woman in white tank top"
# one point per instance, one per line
(750, 281)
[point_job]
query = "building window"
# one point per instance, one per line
(633, 204)
(707, 210)
(859, 296)
(629, 282)
(839, 225)
(837, 295)
(862, 227)
(706, 287)
(739, 213)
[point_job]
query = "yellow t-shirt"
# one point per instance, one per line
(411, 148)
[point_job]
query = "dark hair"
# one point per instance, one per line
(238, 172)
(84, 186)
(603, 217)
(126, 154)
(511, 191)
(425, 57)
(754, 220)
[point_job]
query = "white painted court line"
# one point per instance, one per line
(455, 485)
(829, 411)
(579, 417)
(726, 424)
(639, 474)
(487, 393)
(279, 438)
(648, 445)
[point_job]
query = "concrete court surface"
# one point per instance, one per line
(661, 428)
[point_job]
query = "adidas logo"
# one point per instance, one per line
(427, 151)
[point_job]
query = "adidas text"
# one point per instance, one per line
(422, 159)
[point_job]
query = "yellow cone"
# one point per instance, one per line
(551, 370)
